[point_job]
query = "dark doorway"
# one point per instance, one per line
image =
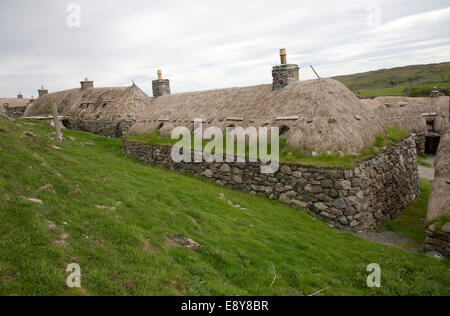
(432, 144)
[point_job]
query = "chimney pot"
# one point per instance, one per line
(20, 96)
(160, 74)
(283, 56)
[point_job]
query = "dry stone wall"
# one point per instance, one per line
(113, 129)
(356, 199)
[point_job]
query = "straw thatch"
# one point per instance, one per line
(408, 113)
(330, 116)
(439, 204)
(14, 102)
(124, 103)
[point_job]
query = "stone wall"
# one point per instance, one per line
(438, 239)
(113, 129)
(356, 199)
(15, 112)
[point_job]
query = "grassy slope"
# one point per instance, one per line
(399, 90)
(386, 78)
(412, 222)
(124, 250)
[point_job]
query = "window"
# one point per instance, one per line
(284, 132)
(160, 127)
(430, 126)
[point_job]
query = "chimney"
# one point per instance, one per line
(86, 84)
(161, 86)
(285, 73)
(20, 96)
(42, 91)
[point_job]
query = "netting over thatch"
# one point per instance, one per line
(439, 204)
(321, 115)
(412, 113)
(125, 103)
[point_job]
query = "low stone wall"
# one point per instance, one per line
(438, 240)
(113, 129)
(356, 199)
(15, 112)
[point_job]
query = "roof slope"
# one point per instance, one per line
(14, 102)
(439, 204)
(95, 103)
(407, 113)
(330, 116)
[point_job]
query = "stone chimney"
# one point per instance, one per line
(86, 84)
(161, 86)
(285, 73)
(20, 96)
(42, 91)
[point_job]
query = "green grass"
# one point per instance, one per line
(422, 162)
(388, 78)
(412, 222)
(421, 90)
(295, 155)
(122, 250)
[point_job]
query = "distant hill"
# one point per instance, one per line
(417, 80)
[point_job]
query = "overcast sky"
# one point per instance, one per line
(207, 44)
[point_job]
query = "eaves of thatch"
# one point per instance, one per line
(412, 113)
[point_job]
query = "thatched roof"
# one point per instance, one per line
(14, 102)
(411, 113)
(439, 204)
(122, 103)
(321, 115)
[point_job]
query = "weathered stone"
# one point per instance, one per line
(297, 174)
(327, 183)
(354, 223)
(340, 204)
(225, 168)
(208, 173)
(320, 206)
(279, 187)
(343, 220)
(299, 204)
(286, 170)
(348, 174)
(313, 188)
(446, 228)
(237, 179)
(343, 185)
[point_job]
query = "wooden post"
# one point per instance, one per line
(59, 135)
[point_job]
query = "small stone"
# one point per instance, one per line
(348, 174)
(343, 220)
(320, 206)
(225, 168)
(446, 228)
(340, 204)
(432, 228)
(208, 173)
(299, 204)
(354, 224)
(222, 196)
(279, 187)
(314, 154)
(286, 170)
(32, 200)
(434, 254)
(297, 174)
(237, 179)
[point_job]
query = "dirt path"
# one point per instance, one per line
(427, 173)
(390, 239)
